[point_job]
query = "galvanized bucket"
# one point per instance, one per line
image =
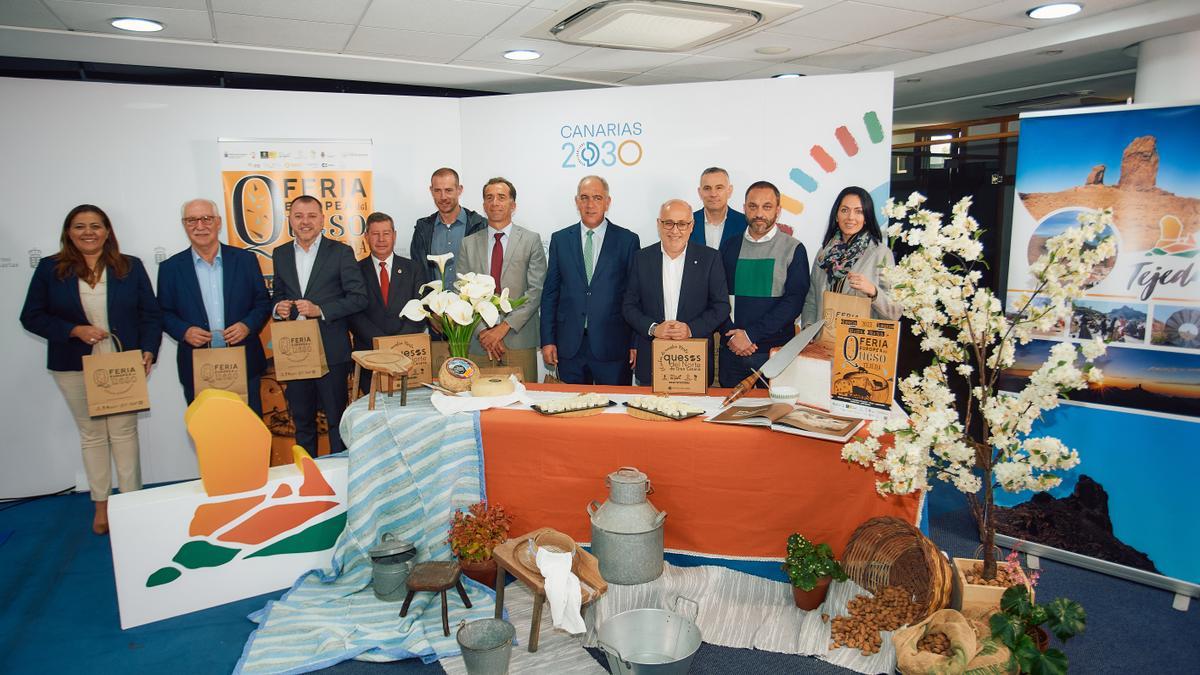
(391, 563)
(486, 645)
(650, 641)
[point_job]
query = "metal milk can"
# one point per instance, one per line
(391, 562)
(627, 531)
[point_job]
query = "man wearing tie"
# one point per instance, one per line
(513, 256)
(583, 332)
(213, 295)
(391, 281)
(676, 288)
(317, 279)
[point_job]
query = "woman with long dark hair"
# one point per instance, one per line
(78, 299)
(851, 255)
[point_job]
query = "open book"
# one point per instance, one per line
(790, 419)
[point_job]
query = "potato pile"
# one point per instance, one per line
(937, 643)
(1003, 579)
(890, 609)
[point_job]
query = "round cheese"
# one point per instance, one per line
(492, 386)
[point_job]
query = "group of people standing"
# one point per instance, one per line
(593, 305)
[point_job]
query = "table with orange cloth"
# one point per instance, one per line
(729, 491)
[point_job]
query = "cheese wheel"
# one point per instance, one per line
(491, 386)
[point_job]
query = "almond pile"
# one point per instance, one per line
(890, 609)
(937, 643)
(1003, 578)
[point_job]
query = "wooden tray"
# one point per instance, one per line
(650, 416)
(586, 412)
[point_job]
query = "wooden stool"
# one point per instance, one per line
(586, 567)
(436, 577)
(384, 363)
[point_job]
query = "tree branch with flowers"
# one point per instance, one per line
(985, 444)
(459, 311)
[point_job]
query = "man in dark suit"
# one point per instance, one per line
(453, 222)
(583, 332)
(391, 281)
(213, 295)
(676, 288)
(317, 278)
(716, 221)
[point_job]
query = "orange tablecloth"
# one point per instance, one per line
(728, 491)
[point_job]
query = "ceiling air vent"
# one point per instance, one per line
(1069, 99)
(653, 25)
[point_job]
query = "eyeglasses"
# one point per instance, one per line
(678, 225)
(193, 221)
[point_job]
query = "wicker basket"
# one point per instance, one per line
(887, 551)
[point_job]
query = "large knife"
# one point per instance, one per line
(778, 362)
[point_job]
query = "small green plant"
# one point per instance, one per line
(1019, 616)
(807, 563)
(474, 534)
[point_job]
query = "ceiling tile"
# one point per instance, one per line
(944, 35)
(408, 44)
(1012, 12)
(599, 58)
(509, 66)
(852, 21)
(554, 5)
(943, 7)
(460, 17)
(859, 57)
(200, 5)
(187, 24)
(648, 79)
(257, 30)
(797, 46)
(28, 13)
(492, 50)
(707, 67)
(342, 11)
(521, 23)
(596, 75)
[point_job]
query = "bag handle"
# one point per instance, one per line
(120, 347)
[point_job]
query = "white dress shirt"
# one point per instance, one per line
(766, 237)
(305, 260)
(491, 235)
(597, 239)
(713, 232)
(672, 280)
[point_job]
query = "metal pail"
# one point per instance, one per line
(650, 641)
(486, 646)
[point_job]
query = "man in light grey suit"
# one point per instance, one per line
(514, 257)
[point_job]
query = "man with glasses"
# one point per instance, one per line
(583, 332)
(768, 280)
(676, 288)
(213, 295)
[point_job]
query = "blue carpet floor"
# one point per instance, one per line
(59, 610)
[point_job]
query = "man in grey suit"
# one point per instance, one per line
(514, 257)
(317, 278)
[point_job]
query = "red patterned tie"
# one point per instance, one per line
(497, 260)
(383, 281)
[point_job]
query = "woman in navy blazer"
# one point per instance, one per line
(77, 299)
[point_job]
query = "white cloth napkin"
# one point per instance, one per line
(563, 591)
(448, 405)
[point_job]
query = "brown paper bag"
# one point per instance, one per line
(115, 382)
(299, 352)
(840, 304)
(220, 368)
(552, 375)
(416, 347)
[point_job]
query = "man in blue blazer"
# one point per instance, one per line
(717, 221)
(213, 295)
(676, 288)
(317, 279)
(583, 331)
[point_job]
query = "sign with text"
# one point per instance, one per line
(416, 347)
(680, 366)
(864, 367)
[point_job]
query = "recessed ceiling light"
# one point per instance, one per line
(522, 55)
(1054, 11)
(786, 76)
(773, 50)
(136, 25)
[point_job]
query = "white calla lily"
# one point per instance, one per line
(414, 310)
(502, 300)
(440, 261)
(487, 311)
(439, 302)
(476, 287)
(460, 312)
(435, 285)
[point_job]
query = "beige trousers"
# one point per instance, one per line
(103, 440)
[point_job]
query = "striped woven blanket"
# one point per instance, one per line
(410, 469)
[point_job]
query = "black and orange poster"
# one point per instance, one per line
(863, 382)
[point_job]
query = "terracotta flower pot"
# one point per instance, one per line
(483, 571)
(810, 600)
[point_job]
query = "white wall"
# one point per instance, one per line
(138, 152)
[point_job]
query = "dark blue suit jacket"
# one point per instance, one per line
(245, 295)
(703, 297)
(335, 284)
(568, 298)
(52, 309)
(735, 226)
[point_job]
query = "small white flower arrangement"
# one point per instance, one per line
(472, 299)
(985, 444)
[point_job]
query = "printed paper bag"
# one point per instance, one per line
(115, 382)
(299, 353)
(836, 305)
(220, 368)
(416, 347)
